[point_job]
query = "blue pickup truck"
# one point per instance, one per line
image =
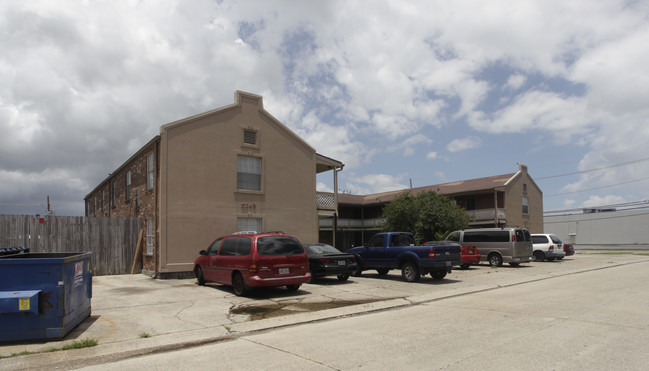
(397, 250)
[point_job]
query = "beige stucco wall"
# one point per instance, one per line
(198, 180)
(533, 220)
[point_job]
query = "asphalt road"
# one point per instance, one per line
(580, 320)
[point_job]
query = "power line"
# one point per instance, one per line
(596, 188)
(633, 205)
(591, 170)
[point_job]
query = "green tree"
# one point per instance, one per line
(428, 216)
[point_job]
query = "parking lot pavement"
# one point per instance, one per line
(134, 314)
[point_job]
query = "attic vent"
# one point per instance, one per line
(250, 137)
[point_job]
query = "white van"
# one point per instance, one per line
(497, 245)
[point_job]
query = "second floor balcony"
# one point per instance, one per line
(325, 201)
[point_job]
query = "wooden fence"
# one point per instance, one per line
(112, 240)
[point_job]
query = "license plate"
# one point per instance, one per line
(283, 271)
(341, 262)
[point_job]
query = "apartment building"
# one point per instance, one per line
(230, 169)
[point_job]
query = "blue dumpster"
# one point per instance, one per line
(43, 295)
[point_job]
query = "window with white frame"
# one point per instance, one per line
(150, 171)
(248, 173)
(525, 205)
(249, 224)
(149, 236)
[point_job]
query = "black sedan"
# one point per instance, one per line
(326, 260)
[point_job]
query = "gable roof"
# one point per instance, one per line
(460, 187)
(239, 98)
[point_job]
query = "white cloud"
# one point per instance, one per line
(603, 201)
(84, 85)
(321, 187)
(568, 203)
(374, 183)
(515, 82)
(407, 146)
(463, 144)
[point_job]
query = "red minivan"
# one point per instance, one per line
(249, 260)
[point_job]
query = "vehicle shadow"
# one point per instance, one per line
(396, 277)
(262, 292)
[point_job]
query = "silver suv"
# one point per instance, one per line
(547, 247)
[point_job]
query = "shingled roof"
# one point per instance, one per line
(461, 187)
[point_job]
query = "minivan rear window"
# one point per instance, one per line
(486, 236)
(278, 245)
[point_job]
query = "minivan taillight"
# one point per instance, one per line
(513, 238)
(431, 253)
(253, 267)
(551, 247)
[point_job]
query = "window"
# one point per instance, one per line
(539, 239)
(525, 205)
(278, 245)
(249, 173)
(250, 137)
(486, 236)
(149, 236)
(235, 246)
(249, 224)
(137, 200)
(150, 171)
(128, 186)
(455, 237)
(470, 204)
(377, 241)
(214, 247)
(402, 240)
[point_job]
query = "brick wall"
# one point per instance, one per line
(112, 199)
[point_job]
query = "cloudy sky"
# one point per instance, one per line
(400, 91)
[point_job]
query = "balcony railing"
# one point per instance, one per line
(325, 201)
(353, 224)
(486, 214)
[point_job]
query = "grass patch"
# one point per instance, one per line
(76, 345)
(145, 335)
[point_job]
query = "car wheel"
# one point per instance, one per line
(343, 277)
(239, 285)
(358, 272)
(465, 266)
(495, 260)
(550, 259)
(199, 276)
(560, 258)
(410, 272)
(539, 256)
(438, 275)
(292, 287)
(382, 271)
